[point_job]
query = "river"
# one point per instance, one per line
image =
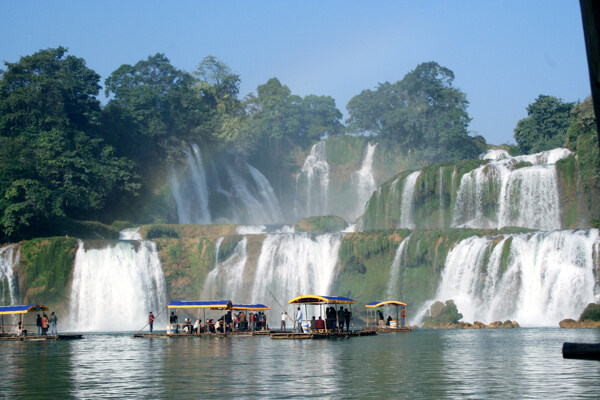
(425, 364)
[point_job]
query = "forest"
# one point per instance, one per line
(66, 156)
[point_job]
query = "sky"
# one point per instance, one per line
(503, 53)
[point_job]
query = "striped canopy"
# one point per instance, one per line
(22, 309)
(314, 299)
(251, 307)
(385, 303)
(213, 305)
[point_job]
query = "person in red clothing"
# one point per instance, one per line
(151, 321)
(320, 324)
(44, 324)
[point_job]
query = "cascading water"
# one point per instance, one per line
(290, 265)
(116, 286)
(494, 154)
(9, 259)
(225, 281)
(393, 290)
(190, 190)
(130, 234)
(364, 181)
(536, 279)
(315, 175)
(506, 192)
(408, 194)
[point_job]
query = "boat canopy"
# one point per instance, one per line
(251, 307)
(314, 299)
(376, 304)
(6, 310)
(213, 305)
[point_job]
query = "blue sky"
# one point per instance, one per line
(503, 53)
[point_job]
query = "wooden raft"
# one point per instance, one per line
(321, 335)
(36, 338)
(194, 335)
(393, 330)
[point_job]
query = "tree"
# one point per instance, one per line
(545, 126)
(218, 84)
(53, 162)
(422, 112)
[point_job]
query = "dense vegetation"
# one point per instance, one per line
(66, 158)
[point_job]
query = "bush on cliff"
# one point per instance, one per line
(591, 313)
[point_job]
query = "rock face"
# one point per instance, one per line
(446, 316)
(589, 318)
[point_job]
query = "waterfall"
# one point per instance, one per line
(316, 172)
(191, 195)
(408, 194)
(225, 281)
(494, 154)
(259, 200)
(518, 191)
(10, 257)
(364, 181)
(291, 265)
(116, 286)
(536, 279)
(130, 234)
(441, 193)
(393, 289)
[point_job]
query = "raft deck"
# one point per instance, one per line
(322, 335)
(393, 330)
(36, 338)
(194, 335)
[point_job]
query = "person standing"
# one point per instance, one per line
(347, 316)
(53, 321)
(402, 317)
(299, 320)
(151, 319)
(38, 322)
(44, 324)
(341, 318)
(283, 317)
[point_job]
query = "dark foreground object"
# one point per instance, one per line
(38, 338)
(582, 351)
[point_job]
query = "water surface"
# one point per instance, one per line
(425, 364)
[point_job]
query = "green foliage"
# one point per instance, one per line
(53, 161)
(591, 313)
(546, 125)
(324, 223)
(228, 246)
(47, 264)
(442, 314)
(161, 231)
(422, 112)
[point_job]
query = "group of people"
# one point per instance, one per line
(227, 322)
(43, 323)
(334, 320)
(388, 321)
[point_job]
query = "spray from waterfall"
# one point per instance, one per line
(393, 287)
(226, 280)
(116, 286)
(407, 205)
(315, 176)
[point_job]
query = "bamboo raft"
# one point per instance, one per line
(322, 335)
(35, 338)
(393, 330)
(200, 335)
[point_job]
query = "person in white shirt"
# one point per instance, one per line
(283, 318)
(299, 320)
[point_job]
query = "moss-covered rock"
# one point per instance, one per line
(188, 230)
(324, 223)
(442, 315)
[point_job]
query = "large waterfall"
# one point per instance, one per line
(408, 193)
(537, 279)
(314, 175)
(9, 258)
(289, 265)
(517, 191)
(116, 286)
(392, 292)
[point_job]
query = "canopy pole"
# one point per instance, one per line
(352, 319)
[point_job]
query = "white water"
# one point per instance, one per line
(364, 181)
(497, 194)
(290, 265)
(225, 281)
(190, 190)
(393, 291)
(494, 154)
(315, 171)
(250, 229)
(115, 287)
(130, 234)
(407, 205)
(549, 276)
(10, 257)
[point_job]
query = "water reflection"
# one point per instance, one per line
(426, 364)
